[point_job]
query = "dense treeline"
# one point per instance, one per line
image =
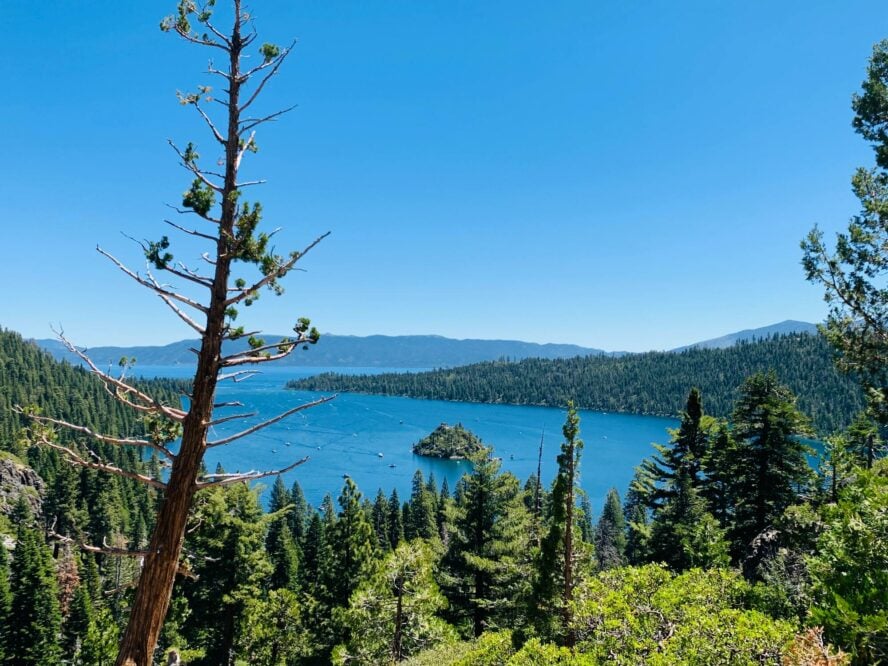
(650, 383)
(73, 598)
(725, 544)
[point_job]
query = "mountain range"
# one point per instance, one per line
(400, 351)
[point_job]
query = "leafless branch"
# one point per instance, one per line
(183, 316)
(227, 479)
(250, 183)
(238, 376)
(275, 65)
(149, 404)
(189, 211)
(75, 458)
(268, 422)
(243, 150)
(193, 168)
(285, 267)
(187, 274)
(210, 123)
(105, 439)
(250, 123)
(233, 403)
(153, 286)
(190, 232)
(233, 417)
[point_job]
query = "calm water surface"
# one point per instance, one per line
(347, 436)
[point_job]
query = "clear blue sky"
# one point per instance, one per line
(618, 174)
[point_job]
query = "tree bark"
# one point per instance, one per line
(158, 575)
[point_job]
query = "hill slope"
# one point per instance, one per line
(750, 334)
(382, 351)
(650, 383)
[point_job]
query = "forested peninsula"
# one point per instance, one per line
(649, 383)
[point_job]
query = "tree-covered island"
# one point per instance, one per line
(446, 441)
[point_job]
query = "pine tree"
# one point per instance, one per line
(232, 568)
(685, 453)
(32, 632)
(683, 532)
(610, 533)
(284, 555)
(770, 470)
(555, 581)
(5, 601)
(853, 277)
(718, 473)
(351, 545)
(380, 521)
(864, 439)
(392, 614)
(484, 570)
(637, 516)
(77, 624)
(280, 497)
(395, 521)
(420, 520)
(300, 515)
(584, 519)
(233, 238)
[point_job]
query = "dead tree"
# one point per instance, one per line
(208, 304)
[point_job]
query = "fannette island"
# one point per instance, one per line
(449, 442)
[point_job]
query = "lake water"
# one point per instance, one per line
(347, 436)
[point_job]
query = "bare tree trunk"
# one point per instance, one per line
(158, 576)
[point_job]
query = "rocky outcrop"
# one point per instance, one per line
(18, 480)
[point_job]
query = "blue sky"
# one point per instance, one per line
(624, 175)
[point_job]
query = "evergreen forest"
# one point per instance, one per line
(734, 544)
(649, 383)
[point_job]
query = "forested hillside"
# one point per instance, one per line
(650, 383)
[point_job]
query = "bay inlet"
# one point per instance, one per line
(369, 438)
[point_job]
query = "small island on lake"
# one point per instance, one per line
(449, 442)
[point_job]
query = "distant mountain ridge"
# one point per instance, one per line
(782, 328)
(402, 351)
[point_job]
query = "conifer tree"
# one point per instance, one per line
(854, 275)
(76, 625)
(208, 304)
(284, 555)
(683, 532)
(864, 439)
(637, 516)
(380, 521)
(231, 565)
(34, 622)
(313, 550)
(5, 601)
(300, 515)
(395, 520)
(584, 519)
(484, 570)
(610, 533)
(420, 520)
(684, 454)
(351, 545)
(770, 469)
(392, 614)
(555, 581)
(718, 473)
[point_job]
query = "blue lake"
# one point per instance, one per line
(347, 436)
